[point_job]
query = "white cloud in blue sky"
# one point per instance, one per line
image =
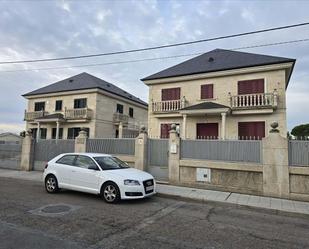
(40, 29)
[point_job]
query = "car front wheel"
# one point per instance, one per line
(51, 184)
(110, 193)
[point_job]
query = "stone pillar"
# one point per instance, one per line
(173, 156)
(26, 161)
(57, 130)
(184, 126)
(38, 132)
(275, 164)
(141, 152)
(81, 142)
(223, 121)
(120, 135)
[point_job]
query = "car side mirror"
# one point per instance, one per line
(93, 167)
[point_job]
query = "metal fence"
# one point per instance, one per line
(223, 150)
(10, 155)
(298, 153)
(45, 150)
(125, 146)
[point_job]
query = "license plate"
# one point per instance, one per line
(149, 188)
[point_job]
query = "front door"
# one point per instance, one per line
(207, 131)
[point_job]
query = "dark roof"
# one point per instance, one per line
(204, 105)
(52, 116)
(84, 81)
(218, 60)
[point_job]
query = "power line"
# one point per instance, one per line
(150, 59)
(158, 47)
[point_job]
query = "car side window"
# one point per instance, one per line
(68, 160)
(84, 162)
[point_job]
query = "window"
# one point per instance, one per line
(170, 94)
(207, 131)
(73, 132)
(251, 130)
(54, 131)
(110, 163)
(131, 112)
(80, 103)
(207, 91)
(119, 108)
(43, 133)
(84, 162)
(39, 106)
(68, 160)
(165, 130)
(58, 105)
(251, 86)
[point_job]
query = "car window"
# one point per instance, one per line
(68, 160)
(108, 163)
(84, 162)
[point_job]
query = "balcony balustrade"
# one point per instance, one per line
(256, 100)
(169, 105)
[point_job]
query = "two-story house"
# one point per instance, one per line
(220, 94)
(60, 110)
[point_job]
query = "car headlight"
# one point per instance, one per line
(131, 182)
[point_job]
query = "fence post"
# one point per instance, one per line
(141, 151)
(275, 164)
(174, 155)
(27, 152)
(81, 142)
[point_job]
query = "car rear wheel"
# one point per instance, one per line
(51, 184)
(110, 193)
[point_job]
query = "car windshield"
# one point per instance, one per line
(109, 163)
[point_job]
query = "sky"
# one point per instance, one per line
(34, 29)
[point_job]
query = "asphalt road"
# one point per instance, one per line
(31, 218)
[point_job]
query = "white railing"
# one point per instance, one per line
(30, 116)
(119, 117)
(82, 113)
(255, 100)
(169, 105)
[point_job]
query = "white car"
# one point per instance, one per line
(101, 174)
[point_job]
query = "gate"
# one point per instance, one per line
(45, 150)
(158, 158)
(10, 155)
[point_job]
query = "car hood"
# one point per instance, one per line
(131, 174)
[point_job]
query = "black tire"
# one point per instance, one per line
(51, 184)
(110, 192)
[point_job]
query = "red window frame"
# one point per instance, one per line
(207, 91)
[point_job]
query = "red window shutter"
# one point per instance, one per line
(251, 86)
(251, 130)
(207, 91)
(207, 130)
(165, 128)
(170, 94)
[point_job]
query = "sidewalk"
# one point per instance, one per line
(198, 194)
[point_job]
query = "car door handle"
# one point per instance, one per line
(73, 171)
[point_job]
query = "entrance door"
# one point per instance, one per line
(251, 130)
(207, 131)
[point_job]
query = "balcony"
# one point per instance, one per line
(119, 117)
(169, 105)
(254, 101)
(82, 113)
(31, 116)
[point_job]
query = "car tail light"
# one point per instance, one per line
(46, 165)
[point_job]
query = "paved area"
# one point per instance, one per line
(199, 194)
(77, 220)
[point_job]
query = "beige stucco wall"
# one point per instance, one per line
(103, 107)
(223, 85)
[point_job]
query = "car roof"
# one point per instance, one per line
(86, 154)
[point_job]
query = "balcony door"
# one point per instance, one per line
(251, 86)
(207, 131)
(170, 94)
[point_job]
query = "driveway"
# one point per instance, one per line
(31, 218)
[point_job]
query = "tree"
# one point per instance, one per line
(300, 131)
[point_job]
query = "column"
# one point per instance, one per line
(223, 120)
(38, 133)
(174, 156)
(26, 152)
(141, 152)
(57, 130)
(184, 128)
(120, 135)
(81, 142)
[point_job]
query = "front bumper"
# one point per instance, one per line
(136, 192)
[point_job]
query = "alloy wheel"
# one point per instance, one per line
(110, 193)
